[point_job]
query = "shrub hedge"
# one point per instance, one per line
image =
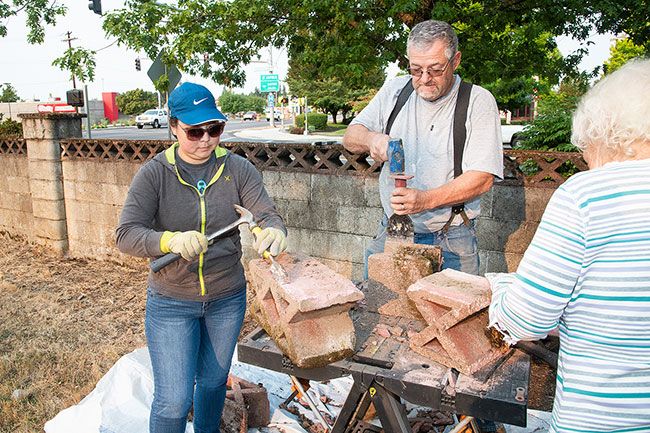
(317, 120)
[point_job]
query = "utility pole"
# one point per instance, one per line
(69, 40)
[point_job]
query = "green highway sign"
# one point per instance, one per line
(269, 83)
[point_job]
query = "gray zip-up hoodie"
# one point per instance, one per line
(160, 201)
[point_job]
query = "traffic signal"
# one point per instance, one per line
(95, 6)
(284, 100)
(137, 64)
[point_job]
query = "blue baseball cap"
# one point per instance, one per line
(194, 104)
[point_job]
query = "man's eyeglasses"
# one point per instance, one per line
(417, 71)
(195, 133)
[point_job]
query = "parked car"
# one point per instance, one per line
(250, 115)
(276, 115)
(156, 118)
(511, 135)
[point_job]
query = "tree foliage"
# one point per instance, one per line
(622, 51)
(499, 39)
(517, 92)
(136, 101)
(10, 128)
(80, 62)
(551, 129)
(38, 14)
(234, 103)
(9, 93)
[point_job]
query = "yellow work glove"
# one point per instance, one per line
(188, 244)
(271, 239)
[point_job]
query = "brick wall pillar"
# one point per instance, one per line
(43, 132)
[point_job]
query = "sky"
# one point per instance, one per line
(29, 67)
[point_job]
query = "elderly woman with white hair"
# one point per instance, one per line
(587, 270)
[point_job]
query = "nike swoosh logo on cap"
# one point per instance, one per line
(199, 101)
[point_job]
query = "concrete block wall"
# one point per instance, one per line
(328, 217)
(509, 219)
(16, 214)
(95, 191)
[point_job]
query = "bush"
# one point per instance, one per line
(10, 128)
(296, 130)
(317, 120)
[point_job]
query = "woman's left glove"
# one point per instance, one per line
(271, 239)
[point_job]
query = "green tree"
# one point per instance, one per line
(136, 101)
(38, 14)
(622, 51)
(8, 94)
(234, 103)
(551, 129)
(517, 92)
(79, 62)
(499, 39)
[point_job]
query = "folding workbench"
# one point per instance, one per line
(387, 372)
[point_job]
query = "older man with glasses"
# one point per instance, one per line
(420, 109)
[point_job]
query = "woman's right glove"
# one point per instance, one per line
(271, 239)
(187, 244)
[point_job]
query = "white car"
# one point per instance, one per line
(276, 115)
(156, 118)
(510, 135)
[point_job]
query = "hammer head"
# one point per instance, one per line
(246, 217)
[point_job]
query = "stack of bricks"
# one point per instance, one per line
(454, 306)
(308, 314)
(400, 265)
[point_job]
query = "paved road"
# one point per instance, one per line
(148, 133)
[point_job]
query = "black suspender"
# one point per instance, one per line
(459, 130)
(404, 95)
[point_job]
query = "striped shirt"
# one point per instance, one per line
(587, 270)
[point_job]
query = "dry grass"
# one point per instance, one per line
(63, 324)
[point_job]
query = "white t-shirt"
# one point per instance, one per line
(426, 130)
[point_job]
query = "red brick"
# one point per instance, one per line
(306, 315)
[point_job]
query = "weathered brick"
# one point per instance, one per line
(49, 209)
(447, 297)
(306, 315)
(287, 185)
(507, 236)
(45, 170)
(371, 192)
(453, 304)
(46, 189)
(50, 229)
(337, 190)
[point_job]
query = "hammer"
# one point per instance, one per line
(246, 217)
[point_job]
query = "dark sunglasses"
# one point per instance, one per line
(195, 133)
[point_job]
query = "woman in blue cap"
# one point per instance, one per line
(195, 306)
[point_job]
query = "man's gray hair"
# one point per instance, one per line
(615, 113)
(424, 34)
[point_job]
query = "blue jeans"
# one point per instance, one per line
(191, 342)
(459, 246)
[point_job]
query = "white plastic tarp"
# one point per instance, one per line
(121, 401)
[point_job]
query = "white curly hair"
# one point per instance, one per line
(615, 113)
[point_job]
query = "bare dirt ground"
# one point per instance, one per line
(64, 322)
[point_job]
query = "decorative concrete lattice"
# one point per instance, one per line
(521, 167)
(540, 169)
(305, 157)
(13, 146)
(133, 150)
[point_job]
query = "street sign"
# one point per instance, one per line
(270, 99)
(158, 69)
(269, 83)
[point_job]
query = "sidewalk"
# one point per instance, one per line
(269, 133)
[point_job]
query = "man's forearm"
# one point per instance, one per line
(465, 187)
(357, 139)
